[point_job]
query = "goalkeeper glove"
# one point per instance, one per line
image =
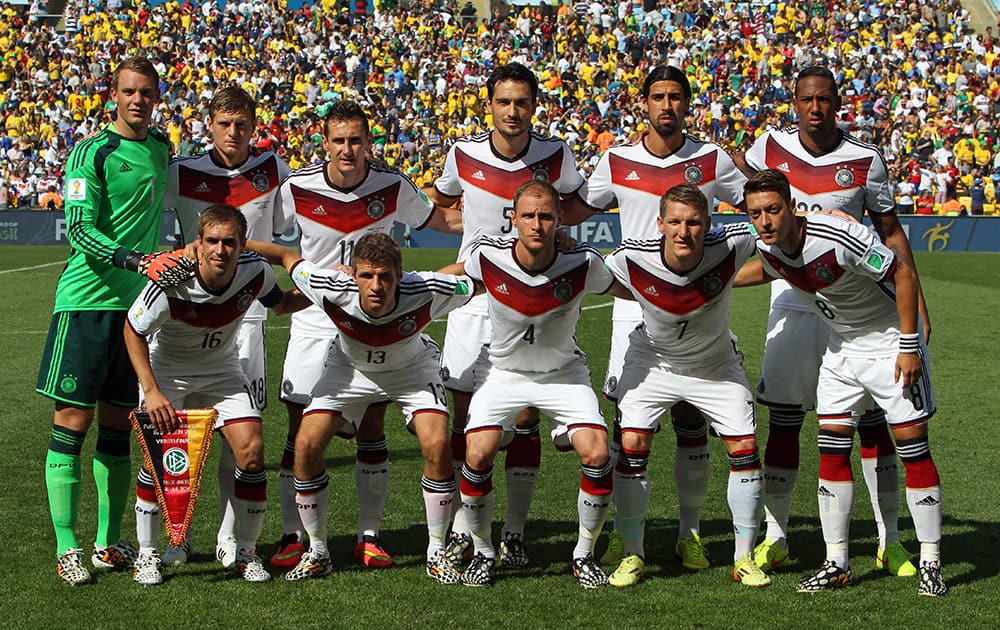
(167, 269)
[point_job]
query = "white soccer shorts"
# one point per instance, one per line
(466, 334)
(228, 393)
(720, 392)
(848, 385)
(253, 358)
(566, 396)
(620, 331)
(417, 388)
(793, 352)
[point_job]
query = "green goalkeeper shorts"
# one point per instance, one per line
(85, 360)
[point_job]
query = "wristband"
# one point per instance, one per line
(909, 343)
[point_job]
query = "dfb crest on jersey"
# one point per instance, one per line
(693, 175)
(540, 175)
(407, 327)
(563, 291)
(260, 182)
(844, 178)
(824, 274)
(712, 285)
(376, 209)
(243, 302)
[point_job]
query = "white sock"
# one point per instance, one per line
(147, 524)
(882, 478)
(745, 495)
(520, 489)
(312, 512)
(479, 517)
(227, 493)
(438, 497)
(631, 498)
(372, 483)
(836, 502)
(290, 522)
(591, 510)
(692, 469)
(778, 486)
(925, 508)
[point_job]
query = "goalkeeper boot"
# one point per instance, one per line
(117, 557)
(70, 568)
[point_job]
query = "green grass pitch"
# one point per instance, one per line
(963, 293)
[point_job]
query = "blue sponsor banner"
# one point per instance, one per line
(603, 230)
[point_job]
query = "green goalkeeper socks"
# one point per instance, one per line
(62, 480)
(112, 475)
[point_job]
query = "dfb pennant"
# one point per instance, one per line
(177, 460)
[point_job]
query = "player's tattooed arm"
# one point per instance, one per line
(161, 412)
(891, 232)
(575, 210)
(291, 302)
(445, 219)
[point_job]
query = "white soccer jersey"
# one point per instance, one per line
(332, 219)
(487, 180)
(385, 343)
(195, 328)
(686, 316)
(635, 179)
(194, 183)
(534, 315)
(843, 273)
(851, 178)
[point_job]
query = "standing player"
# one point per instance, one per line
(634, 178)
(231, 173)
(484, 169)
(334, 204)
(827, 169)
(379, 354)
(684, 351)
(868, 295)
(534, 305)
(192, 361)
(114, 192)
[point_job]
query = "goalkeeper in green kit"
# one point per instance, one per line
(115, 182)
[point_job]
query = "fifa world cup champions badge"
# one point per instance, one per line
(176, 460)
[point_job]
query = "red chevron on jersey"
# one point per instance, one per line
(204, 315)
(379, 335)
(235, 191)
(502, 183)
(682, 299)
(816, 179)
(814, 276)
(657, 180)
(533, 300)
(345, 216)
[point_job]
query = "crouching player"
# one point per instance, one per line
(684, 351)
(380, 355)
(192, 361)
(868, 296)
(534, 295)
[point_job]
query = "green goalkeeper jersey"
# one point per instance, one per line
(114, 201)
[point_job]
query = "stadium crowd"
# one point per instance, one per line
(917, 82)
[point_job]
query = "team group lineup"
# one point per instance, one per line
(847, 334)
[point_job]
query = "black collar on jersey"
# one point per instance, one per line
(329, 182)
(663, 259)
(499, 156)
(665, 155)
(217, 162)
(513, 253)
(840, 140)
(210, 291)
